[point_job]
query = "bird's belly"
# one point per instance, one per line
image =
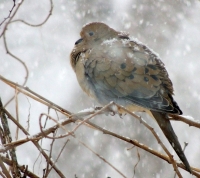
(106, 96)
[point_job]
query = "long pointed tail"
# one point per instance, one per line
(166, 127)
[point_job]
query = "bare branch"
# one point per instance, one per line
(10, 11)
(185, 120)
(8, 137)
(4, 170)
(102, 159)
(6, 45)
(76, 117)
(40, 24)
(21, 167)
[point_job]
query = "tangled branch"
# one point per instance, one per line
(72, 118)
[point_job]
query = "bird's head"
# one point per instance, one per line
(97, 32)
(92, 34)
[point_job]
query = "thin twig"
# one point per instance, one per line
(28, 120)
(21, 167)
(36, 144)
(60, 125)
(2, 175)
(17, 114)
(4, 170)
(40, 24)
(102, 159)
(185, 120)
(57, 157)
(10, 11)
(138, 155)
(26, 91)
(8, 137)
(50, 156)
(17, 59)
(6, 46)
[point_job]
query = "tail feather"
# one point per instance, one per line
(166, 127)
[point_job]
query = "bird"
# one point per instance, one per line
(112, 66)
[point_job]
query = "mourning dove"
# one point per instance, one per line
(110, 66)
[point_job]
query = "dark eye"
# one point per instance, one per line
(91, 33)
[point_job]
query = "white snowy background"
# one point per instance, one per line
(171, 28)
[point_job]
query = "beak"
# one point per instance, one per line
(78, 41)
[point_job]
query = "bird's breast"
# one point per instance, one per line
(82, 76)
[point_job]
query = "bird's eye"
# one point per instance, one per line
(91, 33)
